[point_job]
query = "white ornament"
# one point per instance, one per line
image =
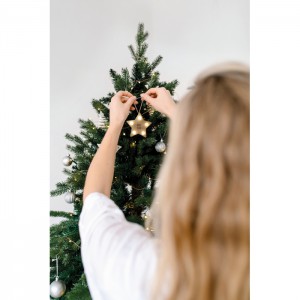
(102, 122)
(160, 146)
(128, 188)
(69, 197)
(57, 288)
(67, 160)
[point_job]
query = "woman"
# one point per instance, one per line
(201, 208)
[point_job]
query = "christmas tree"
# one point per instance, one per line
(138, 159)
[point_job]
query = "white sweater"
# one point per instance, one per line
(119, 257)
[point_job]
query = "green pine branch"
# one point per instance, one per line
(61, 214)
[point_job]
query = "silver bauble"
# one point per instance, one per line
(57, 288)
(69, 197)
(160, 146)
(67, 161)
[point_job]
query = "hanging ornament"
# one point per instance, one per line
(67, 161)
(128, 188)
(102, 122)
(160, 146)
(57, 287)
(69, 197)
(138, 126)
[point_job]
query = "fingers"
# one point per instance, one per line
(125, 99)
(152, 91)
(156, 90)
(124, 93)
(130, 102)
(147, 98)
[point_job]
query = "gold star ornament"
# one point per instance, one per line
(138, 126)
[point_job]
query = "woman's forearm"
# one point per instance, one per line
(101, 171)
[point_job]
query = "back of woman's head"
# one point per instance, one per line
(201, 208)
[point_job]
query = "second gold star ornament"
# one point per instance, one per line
(138, 126)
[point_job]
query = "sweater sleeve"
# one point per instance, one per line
(119, 257)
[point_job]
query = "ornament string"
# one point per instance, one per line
(138, 111)
(135, 105)
(56, 266)
(162, 137)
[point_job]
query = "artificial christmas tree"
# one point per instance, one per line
(137, 162)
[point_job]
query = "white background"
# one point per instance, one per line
(89, 37)
(25, 149)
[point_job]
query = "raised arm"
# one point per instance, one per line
(100, 173)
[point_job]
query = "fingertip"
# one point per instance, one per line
(132, 101)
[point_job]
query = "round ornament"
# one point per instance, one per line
(67, 161)
(69, 197)
(160, 146)
(57, 288)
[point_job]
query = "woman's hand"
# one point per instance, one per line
(161, 100)
(120, 106)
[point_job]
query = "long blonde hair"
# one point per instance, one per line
(201, 208)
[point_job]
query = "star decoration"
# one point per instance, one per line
(138, 126)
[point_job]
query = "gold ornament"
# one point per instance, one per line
(138, 126)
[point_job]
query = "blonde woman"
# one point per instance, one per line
(200, 211)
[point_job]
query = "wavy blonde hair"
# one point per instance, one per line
(201, 209)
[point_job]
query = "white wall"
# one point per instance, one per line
(88, 37)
